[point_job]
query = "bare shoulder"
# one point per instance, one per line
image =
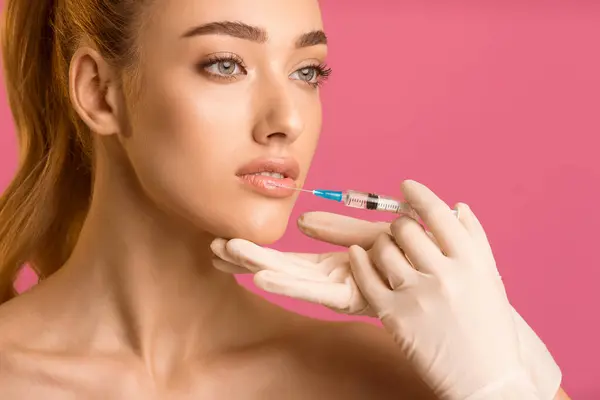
(23, 323)
(14, 320)
(28, 369)
(356, 360)
(15, 333)
(32, 366)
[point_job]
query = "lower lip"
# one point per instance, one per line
(265, 185)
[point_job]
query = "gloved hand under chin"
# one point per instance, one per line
(446, 307)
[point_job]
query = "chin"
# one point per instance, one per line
(260, 225)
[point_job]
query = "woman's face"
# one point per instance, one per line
(229, 89)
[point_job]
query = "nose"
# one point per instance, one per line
(279, 118)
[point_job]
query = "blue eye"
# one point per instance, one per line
(309, 74)
(224, 65)
(229, 66)
(224, 68)
(314, 75)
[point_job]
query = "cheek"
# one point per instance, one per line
(183, 151)
(304, 147)
(186, 149)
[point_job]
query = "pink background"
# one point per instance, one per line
(496, 105)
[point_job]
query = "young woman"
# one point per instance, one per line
(144, 129)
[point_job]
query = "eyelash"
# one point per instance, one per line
(323, 73)
(322, 70)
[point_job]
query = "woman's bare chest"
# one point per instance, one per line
(52, 387)
(35, 376)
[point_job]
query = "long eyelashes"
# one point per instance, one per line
(221, 59)
(323, 73)
(224, 62)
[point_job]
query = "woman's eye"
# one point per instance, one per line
(308, 74)
(224, 68)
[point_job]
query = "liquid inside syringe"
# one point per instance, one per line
(361, 200)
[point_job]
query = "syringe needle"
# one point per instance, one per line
(325, 194)
(300, 190)
(288, 187)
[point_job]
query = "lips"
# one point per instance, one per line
(271, 177)
(288, 167)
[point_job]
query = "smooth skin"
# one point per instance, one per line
(138, 311)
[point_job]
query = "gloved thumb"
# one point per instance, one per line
(341, 230)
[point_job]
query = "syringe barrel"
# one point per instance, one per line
(371, 201)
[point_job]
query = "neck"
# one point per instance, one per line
(151, 277)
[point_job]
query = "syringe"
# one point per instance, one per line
(362, 200)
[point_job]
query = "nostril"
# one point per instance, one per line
(276, 135)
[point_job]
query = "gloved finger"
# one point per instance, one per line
(223, 261)
(257, 258)
(369, 282)
(341, 230)
(232, 268)
(358, 305)
(391, 262)
(420, 250)
(433, 239)
(332, 295)
(451, 236)
(430, 235)
(473, 226)
(228, 267)
(479, 237)
(219, 248)
(313, 258)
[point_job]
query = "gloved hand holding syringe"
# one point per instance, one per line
(362, 200)
(395, 272)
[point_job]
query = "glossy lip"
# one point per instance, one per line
(288, 167)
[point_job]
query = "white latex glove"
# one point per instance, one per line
(445, 307)
(326, 279)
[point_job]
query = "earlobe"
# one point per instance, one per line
(92, 88)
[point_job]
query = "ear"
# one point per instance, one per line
(95, 92)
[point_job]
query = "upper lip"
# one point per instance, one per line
(288, 167)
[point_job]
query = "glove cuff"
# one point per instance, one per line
(514, 386)
(543, 371)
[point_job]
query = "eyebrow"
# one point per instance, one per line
(244, 31)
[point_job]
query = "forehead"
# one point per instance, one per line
(283, 20)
